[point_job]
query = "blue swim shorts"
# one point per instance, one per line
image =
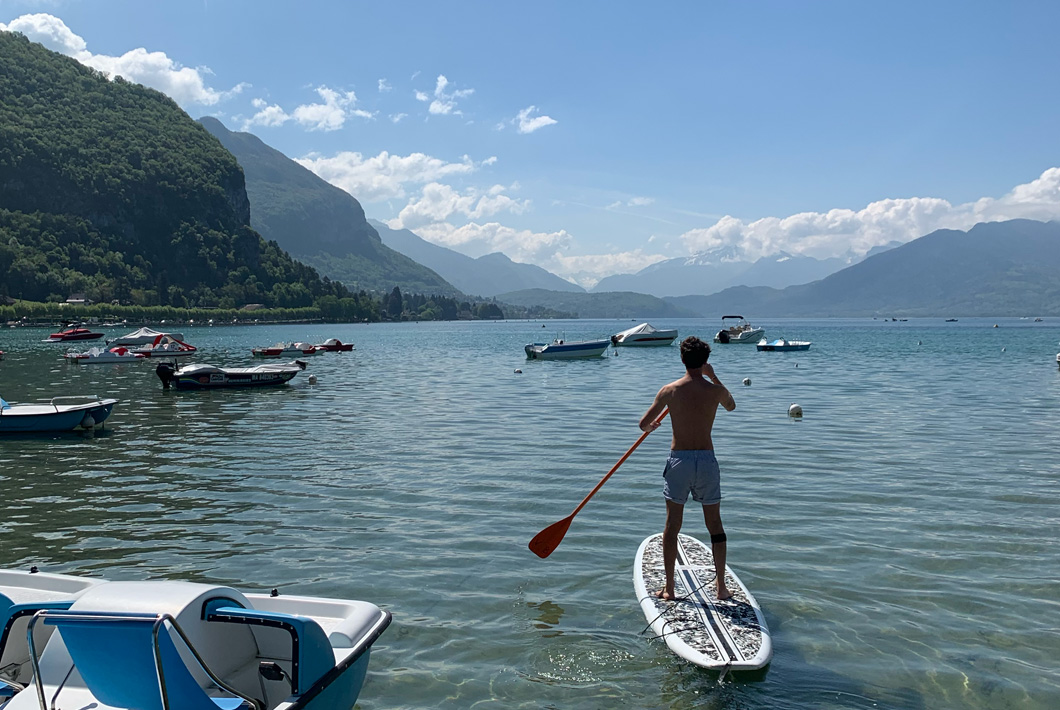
(695, 472)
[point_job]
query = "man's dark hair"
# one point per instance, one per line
(694, 352)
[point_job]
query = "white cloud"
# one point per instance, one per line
(587, 270)
(640, 201)
(444, 101)
(476, 239)
(384, 86)
(332, 114)
(526, 124)
(840, 232)
(384, 176)
(396, 118)
(269, 115)
(184, 85)
(438, 202)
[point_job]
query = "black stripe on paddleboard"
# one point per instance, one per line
(692, 581)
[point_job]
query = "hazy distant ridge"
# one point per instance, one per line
(487, 275)
(995, 268)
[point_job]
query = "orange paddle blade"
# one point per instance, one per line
(546, 541)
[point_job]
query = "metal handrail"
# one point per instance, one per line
(159, 622)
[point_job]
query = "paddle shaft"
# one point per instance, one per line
(620, 462)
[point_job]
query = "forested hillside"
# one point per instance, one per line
(108, 188)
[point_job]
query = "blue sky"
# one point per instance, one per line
(594, 138)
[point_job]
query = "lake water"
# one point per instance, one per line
(903, 538)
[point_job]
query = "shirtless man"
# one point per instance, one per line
(693, 401)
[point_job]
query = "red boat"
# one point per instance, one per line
(334, 345)
(74, 333)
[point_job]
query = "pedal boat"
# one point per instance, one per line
(70, 642)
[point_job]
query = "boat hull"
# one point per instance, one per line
(26, 418)
(566, 351)
(654, 340)
(203, 377)
(783, 347)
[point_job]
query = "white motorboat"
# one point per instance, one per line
(103, 356)
(782, 345)
(72, 642)
(643, 335)
(740, 332)
(65, 413)
(563, 350)
(166, 345)
(143, 336)
(199, 377)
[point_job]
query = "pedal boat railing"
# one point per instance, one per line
(158, 621)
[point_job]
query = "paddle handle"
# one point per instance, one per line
(620, 462)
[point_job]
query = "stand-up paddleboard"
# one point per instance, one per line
(722, 635)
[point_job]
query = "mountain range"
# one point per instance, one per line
(995, 268)
(487, 275)
(318, 223)
(712, 271)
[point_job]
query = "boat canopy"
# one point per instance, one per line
(724, 317)
(642, 329)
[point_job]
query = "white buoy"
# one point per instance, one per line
(518, 372)
(312, 379)
(747, 381)
(1002, 349)
(794, 411)
(919, 342)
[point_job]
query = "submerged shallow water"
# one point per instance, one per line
(902, 537)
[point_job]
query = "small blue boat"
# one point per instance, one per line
(83, 413)
(563, 350)
(782, 345)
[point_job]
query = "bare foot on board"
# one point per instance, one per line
(724, 593)
(665, 595)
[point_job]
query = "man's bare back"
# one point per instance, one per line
(693, 402)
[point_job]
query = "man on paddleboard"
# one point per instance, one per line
(691, 467)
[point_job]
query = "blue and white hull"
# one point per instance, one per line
(92, 643)
(560, 350)
(54, 416)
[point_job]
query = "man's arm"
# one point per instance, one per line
(726, 400)
(647, 422)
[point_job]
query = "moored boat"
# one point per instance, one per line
(783, 345)
(173, 644)
(334, 345)
(103, 356)
(644, 335)
(740, 332)
(562, 350)
(72, 333)
(285, 350)
(143, 336)
(83, 412)
(197, 377)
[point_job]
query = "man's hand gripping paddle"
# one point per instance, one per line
(546, 541)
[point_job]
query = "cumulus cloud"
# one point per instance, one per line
(445, 100)
(396, 117)
(841, 232)
(520, 245)
(587, 270)
(526, 123)
(438, 202)
(267, 114)
(330, 115)
(185, 85)
(385, 176)
(384, 86)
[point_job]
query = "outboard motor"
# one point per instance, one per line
(723, 336)
(614, 340)
(165, 372)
